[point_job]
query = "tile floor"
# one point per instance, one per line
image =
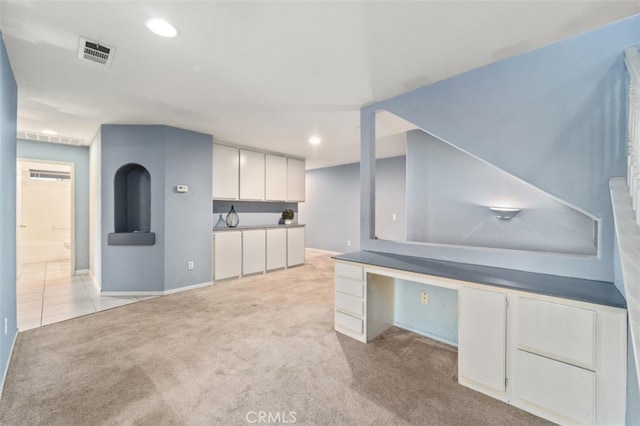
(48, 293)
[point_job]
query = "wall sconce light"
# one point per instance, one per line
(504, 213)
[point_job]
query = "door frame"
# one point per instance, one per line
(72, 196)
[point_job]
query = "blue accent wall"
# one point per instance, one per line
(8, 117)
(181, 222)
(554, 117)
(437, 319)
(79, 157)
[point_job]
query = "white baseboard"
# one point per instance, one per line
(95, 282)
(82, 272)
(6, 367)
(333, 253)
(154, 293)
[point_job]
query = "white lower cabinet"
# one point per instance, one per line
(227, 254)
(295, 246)
(557, 358)
(276, 249)
(482, 340)
(253, 251)
(257, 250)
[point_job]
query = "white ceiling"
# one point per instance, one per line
(265, 74)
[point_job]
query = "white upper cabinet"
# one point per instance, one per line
(225, 172)
(295, 179)
(275, 178)
(251, 175)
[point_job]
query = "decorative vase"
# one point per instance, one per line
(221, 223)
(232, 218)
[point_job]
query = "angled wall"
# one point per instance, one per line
(8, 115)
(554, 117)
(181, 221)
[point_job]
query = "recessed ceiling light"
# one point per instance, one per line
(161, 27)
(49, 132)
(314, 140)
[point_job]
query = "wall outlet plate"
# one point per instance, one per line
(424, 298)
(182, 188)
(190, 265)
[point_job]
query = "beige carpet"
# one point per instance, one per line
(230, 353)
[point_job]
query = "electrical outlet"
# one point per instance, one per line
(190, 265)
(348, 243)
(424, 298)
(394, 217)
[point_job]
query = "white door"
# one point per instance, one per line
(295, 179)
(225, 172)
(482, 339)
(251, 175)
(295, 246)
(253, 251)
(227, 254)
(275, 178)
(276, 249)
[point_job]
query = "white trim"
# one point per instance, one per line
(95, 282)
(154, 293)
(628, 241)
(6, 368)
(83, 272)
(333, 253)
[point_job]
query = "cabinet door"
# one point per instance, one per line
(295, 246)
(225, 172)
(295, 179)
(275, 178)
(276, 249)
(482, 332)
(253, 251)
(251, 175)
(227, 254)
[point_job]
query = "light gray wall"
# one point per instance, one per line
(187, 225)
(554, 117)
(449, 193)
(133, 268)
(331, 211)
(79, 157)
(8, 114)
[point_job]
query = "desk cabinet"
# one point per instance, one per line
(275, 178)
(561, 359)
(276, 249)
(482, 340)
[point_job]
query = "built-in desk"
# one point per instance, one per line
(554, 346)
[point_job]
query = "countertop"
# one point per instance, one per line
(244, 228)
(598, 292)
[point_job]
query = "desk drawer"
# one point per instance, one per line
(349, 322)
(354, 272)
(349, 304)
(558, 331)
(349, 286)
(556, 387)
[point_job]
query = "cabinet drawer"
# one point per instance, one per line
(349, 304)
(349, 271)
(350, 287)
(349, 322)
(558, 331)
(555, 388)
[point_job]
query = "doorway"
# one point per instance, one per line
(45, 213)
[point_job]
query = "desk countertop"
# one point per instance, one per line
(599, 292)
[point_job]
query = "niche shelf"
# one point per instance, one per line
(132, 200)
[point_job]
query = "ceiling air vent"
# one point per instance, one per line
(93, 51)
